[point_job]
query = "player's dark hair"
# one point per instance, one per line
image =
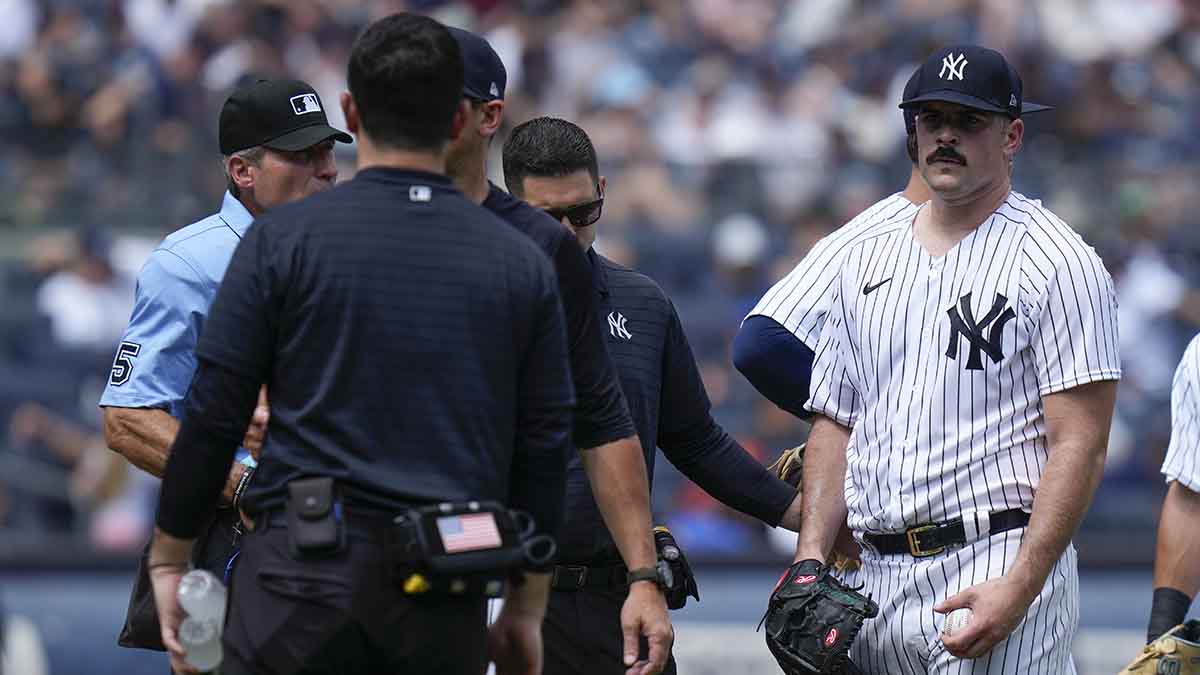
(547, 147)
(406, 77)
(910, 145)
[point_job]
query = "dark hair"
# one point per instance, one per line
(547, 147)
(406, 77)
(910, 145)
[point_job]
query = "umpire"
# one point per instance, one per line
(552, 164)
(414, 349)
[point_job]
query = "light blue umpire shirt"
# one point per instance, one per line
(156, 359)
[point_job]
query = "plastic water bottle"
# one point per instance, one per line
(202, 596)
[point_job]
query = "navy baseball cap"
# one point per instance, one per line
(910, 113)
(278, 114)
(976, 77)
(484, 76)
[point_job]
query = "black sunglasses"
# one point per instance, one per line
(580, 215)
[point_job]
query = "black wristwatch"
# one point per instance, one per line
(660, 574)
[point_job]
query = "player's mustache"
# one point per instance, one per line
(946, 153)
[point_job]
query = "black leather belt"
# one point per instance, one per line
(580, 577)
(931, 539)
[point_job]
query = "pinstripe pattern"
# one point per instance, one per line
(800, 300)
(905, 637)
(1183, 455)
(940, 370)
(934, 439)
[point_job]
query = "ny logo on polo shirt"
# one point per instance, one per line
(963, 323)
(305, 103)
(616, 326)
(952, 67)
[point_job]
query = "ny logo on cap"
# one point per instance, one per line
(305, 103)
(952, 67)
(494, 90)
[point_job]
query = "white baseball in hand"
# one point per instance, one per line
(956, 620)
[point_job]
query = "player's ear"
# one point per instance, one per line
(602, 184)
(493, 116)
(350, 111)
(1014, 137)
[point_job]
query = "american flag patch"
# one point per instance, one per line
(468, 532)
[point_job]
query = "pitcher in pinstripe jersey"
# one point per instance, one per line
(1177, 560)
(963, 390)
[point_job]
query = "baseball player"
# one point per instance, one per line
(773, 348)
(552, 164)
(1177, 560)
(963, 391)
(278, 147)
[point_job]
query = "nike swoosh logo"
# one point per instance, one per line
(870, 288)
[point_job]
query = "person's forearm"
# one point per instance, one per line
(143, 436)
(1177, 559)
(218, 410)
(1062, 497)
(617, 472)
(530, 597)
(713, 460)
(169, 550)
(823, 498)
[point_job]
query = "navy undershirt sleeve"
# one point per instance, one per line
(216, 414)
(702, 450)
(776, 362)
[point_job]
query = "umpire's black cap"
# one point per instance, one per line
(484, 76)
(969, 75)
(278, 114)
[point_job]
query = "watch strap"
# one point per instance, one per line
(642, 574)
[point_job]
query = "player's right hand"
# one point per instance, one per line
(257, 431)
(165, 582)
(645, 614)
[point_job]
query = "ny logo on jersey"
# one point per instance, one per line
(616, 326)
(952, 67)
(963, 323)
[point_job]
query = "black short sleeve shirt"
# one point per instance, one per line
(394, 322)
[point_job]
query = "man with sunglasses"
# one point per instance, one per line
(552, 164)
(963, 392)
(603, 432)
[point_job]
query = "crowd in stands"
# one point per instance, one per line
(734, 134)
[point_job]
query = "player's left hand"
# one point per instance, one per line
(256, 433)
(165, 581)
(997, 606)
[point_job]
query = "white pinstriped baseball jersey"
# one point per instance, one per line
(939, 363)
(1183, 455)
(800, 300)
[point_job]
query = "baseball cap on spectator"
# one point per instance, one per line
(278, 114)
(976, 77)
(484, 76)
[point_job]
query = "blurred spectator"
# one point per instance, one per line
(87, 302)
(114, 500)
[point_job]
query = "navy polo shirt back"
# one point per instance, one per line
(410, 341)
